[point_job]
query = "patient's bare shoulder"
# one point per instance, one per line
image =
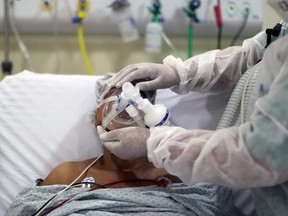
(65, 173)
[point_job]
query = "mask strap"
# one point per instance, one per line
(117, 108)
(109, 99)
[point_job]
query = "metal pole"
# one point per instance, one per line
(6, 30)
(6, 64)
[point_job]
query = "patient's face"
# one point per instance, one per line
(140, 166)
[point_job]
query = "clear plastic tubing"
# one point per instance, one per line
(133, 112)
(233, 103)
(239, 98)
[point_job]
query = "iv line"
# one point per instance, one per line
(83, 50)
(42, 208)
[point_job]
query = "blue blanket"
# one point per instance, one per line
(176, 199)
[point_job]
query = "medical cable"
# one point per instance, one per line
(82, 8)
(242, 26)
(42, 208)
(18, 38)
(160, 182)
(190, 12)
(219, 23)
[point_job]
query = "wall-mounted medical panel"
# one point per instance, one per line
(33, 17)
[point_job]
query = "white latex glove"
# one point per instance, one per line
(159, 76)
(126, 143)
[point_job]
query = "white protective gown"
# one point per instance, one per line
(253, 155)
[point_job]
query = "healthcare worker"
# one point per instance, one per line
(252, 155)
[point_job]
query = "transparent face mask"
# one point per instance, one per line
(115, 112)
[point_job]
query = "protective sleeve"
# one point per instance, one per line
(217, 70)
(219, 157)
(252, 155)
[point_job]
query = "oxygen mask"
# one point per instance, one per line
(116, 112)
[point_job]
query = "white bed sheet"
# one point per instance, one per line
(44, 122)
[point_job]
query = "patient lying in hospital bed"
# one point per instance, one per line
(128, 198)
(141, 190)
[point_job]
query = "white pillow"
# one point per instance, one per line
(44, 121)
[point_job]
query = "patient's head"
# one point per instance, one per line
(110, 116)
(108, 105)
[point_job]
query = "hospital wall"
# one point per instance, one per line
(60, 54)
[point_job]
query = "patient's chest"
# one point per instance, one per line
(137, 174)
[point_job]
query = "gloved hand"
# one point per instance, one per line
(159, 76)
(126, 143)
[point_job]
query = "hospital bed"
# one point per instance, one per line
(45, 119)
